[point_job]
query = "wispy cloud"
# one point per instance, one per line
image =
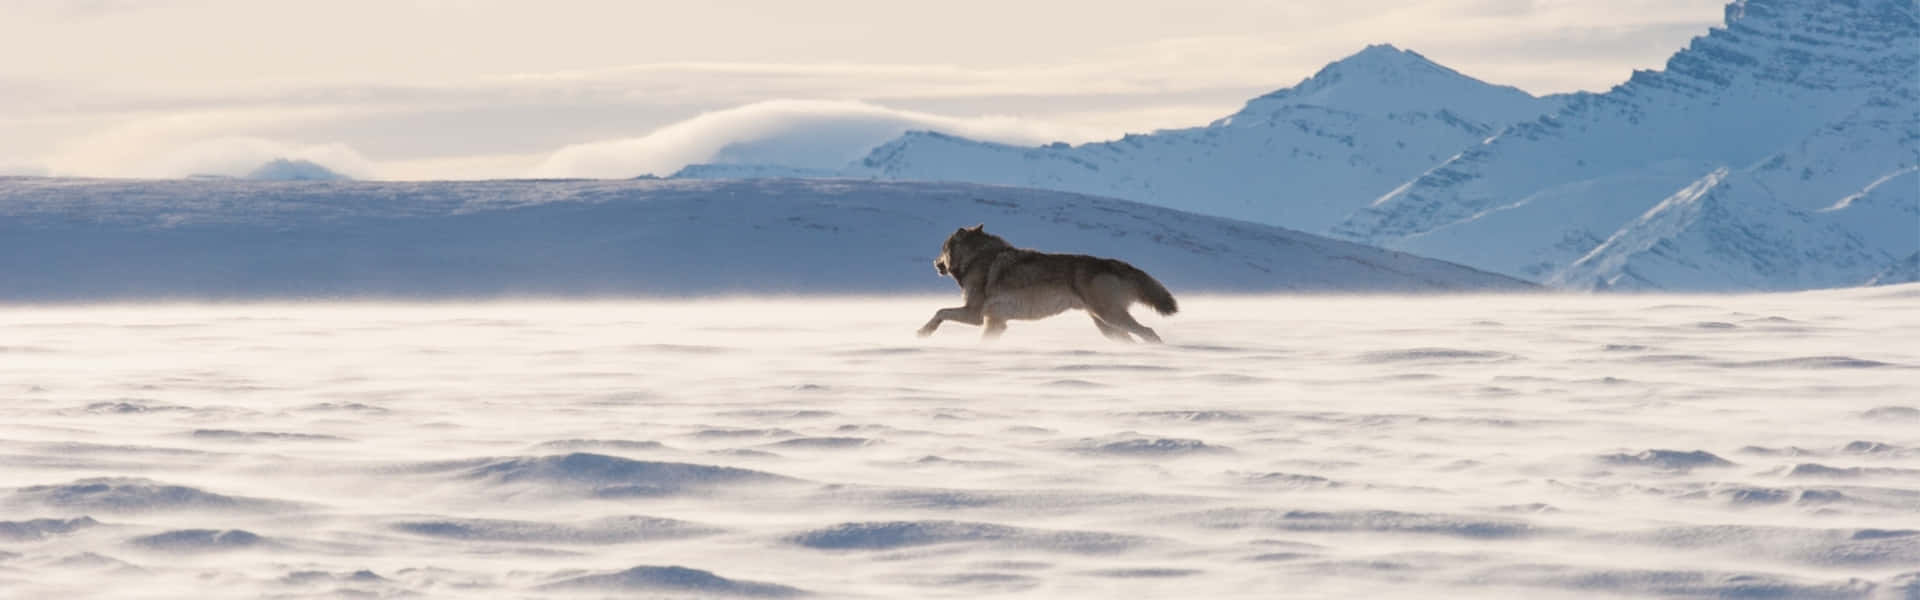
(228, 142)
(802, 133)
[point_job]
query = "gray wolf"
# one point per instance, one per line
(999, 283)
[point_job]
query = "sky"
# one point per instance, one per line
(473, 89)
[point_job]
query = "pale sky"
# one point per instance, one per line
(462, 89)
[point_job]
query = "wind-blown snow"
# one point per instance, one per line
(1529, 446)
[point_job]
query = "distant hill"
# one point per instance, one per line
(281, 169)
(78, 239)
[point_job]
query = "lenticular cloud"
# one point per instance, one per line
(818, 134)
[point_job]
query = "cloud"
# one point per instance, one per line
(483, 109)
(231, 143)
(797, 133)
(81, 9)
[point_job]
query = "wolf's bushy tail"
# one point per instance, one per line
(1151, 292)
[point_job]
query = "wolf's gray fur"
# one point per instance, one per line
(1000, 283)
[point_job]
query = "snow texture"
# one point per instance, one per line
(1518, 446)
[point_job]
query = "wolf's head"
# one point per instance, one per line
(960, 248)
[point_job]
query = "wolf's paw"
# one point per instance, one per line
(924, 332)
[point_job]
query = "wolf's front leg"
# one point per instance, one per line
(964, 314)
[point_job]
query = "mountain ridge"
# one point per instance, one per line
(1330, 143)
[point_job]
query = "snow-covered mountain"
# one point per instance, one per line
(1791, 107)
(65, 239)
(1704, 176)
(1303, 157)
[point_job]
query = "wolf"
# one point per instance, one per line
(999, 282)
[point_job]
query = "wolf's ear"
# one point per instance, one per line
(977, 228)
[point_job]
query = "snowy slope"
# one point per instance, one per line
(103, 239)
(1809, 101)
(1906, 270)
(1556, 225)
(1885, 217)
(1726, 232)
(1301, 157)
(1780, 225)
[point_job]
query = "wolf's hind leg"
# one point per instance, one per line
(1113, 333)
(1118, 317)
(995, 326)
(1108, 302)
(963, 314)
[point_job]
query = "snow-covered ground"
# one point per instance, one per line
(1533, 446)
